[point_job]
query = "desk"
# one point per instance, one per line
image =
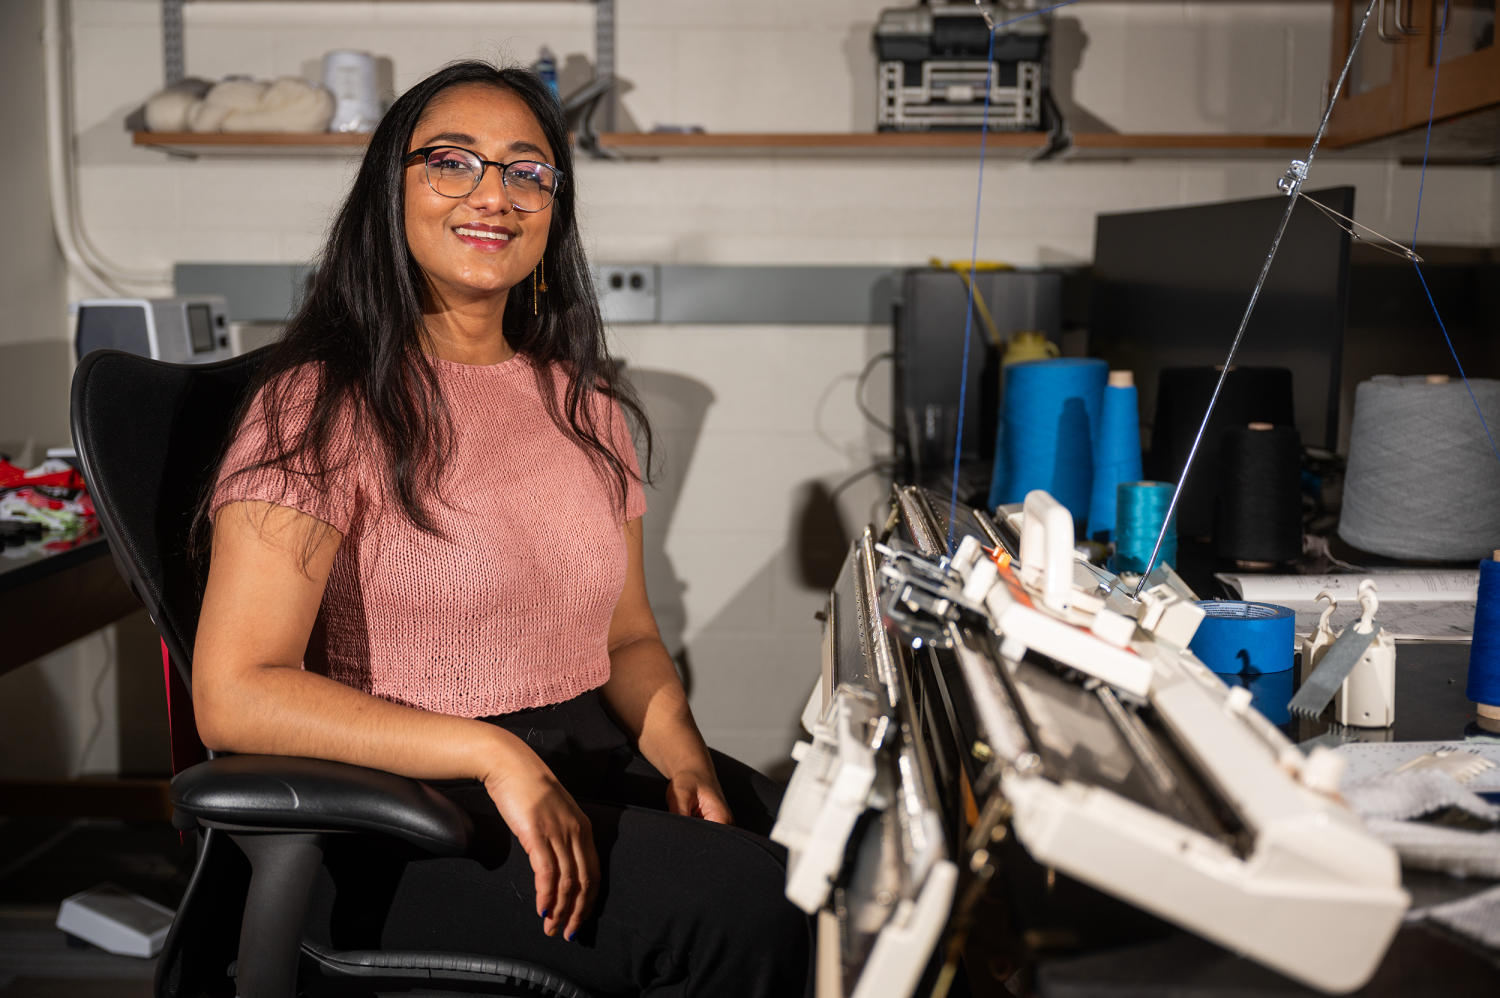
(49, 599)
(1423, 962)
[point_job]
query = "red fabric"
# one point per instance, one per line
(510, 608)
(13, 477)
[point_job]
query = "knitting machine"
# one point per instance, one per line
(935, 61)
(1013, 693)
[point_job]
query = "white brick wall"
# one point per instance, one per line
(781, 412)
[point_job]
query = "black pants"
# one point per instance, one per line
(685, 907)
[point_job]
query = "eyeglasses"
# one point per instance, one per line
(455, 172)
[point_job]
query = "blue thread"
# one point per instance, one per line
(1421, 187)
(1140, 508)
(963, 385)
(1250, 645)
(1048, 422)
(1437, 70)
(1484, 653)
(1035, 13)
(1117, 457)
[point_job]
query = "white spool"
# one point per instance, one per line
(351, 77)
(1422, 480)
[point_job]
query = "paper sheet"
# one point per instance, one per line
(1414, 606)
(1370, 759)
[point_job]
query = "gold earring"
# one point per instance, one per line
(538, 282)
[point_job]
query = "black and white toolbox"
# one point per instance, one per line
(934, 61)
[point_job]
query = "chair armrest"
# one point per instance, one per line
(270, 792)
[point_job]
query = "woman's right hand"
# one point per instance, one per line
(556, 835)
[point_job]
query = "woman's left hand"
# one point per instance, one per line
(696, 794)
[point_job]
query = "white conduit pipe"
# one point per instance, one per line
(86, 262)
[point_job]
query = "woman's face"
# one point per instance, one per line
(480, 245)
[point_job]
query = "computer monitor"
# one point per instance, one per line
(1171, 285)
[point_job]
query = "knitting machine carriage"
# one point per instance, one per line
(1011, 691)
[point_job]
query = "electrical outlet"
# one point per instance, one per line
(627, 292)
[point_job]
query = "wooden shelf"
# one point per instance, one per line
(637, 145)
(254, 143)
(1104, 145)
(1001, 145)
(657, 145)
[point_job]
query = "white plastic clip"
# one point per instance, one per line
(1323, 770)
(1047, 548)
(967, 556)
(1169, 616)
(1319, 641)
(1368, 697)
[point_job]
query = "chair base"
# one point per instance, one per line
(330, 973)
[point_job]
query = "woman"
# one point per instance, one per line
(426, 559)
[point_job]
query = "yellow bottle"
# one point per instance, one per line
(1028, 344)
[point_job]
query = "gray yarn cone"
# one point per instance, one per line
(1423, 481)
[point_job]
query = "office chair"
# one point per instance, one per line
(149, 435)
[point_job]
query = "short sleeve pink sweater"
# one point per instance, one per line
(511, 607)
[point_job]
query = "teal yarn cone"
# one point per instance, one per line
(1140, 508)
(1048, 423)
(1117, 453)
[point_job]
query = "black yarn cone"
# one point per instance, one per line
(1260, 495)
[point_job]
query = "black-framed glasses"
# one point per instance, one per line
(454, 172)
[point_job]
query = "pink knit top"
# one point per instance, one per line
(511, 608)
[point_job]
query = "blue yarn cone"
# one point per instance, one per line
(1048, 424)
(1117, 458)
(1484, 654)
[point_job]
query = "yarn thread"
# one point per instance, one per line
(1260, 494)
(1048, 422)
(1140, 509)
(1421, 481)
(1437, 69)
(1117, 456)
(1484, 653)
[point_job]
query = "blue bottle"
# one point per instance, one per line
(546, 68)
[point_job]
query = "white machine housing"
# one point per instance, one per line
(1314, 897)
(865, 761)
(189, 330)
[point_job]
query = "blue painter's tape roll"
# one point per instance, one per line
(1270, 692)
(1250, 645)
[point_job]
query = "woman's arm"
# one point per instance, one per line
(645, 693)
(251, 695)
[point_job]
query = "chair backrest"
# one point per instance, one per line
(149, 435)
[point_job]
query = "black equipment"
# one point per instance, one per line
(929, 344)
(1170, 287)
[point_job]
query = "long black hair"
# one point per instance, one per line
(361, 326)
